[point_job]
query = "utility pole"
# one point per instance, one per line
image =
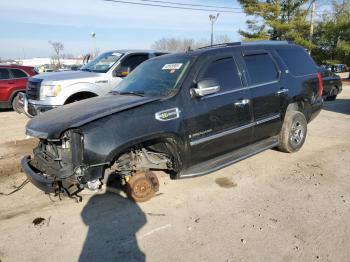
(312, 20)
(212, 19)
(93, 36)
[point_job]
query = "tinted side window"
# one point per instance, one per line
(261, 68)
(297, 60)
(225, 72)
(16, 73)
(4, 74)
(134, 60)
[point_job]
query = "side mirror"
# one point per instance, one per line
(122, 71)
(205, 87)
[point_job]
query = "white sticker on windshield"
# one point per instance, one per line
(116, 54)
(175, 66)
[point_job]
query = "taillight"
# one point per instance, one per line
(320, 84)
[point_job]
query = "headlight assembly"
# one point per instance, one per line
(49, 91)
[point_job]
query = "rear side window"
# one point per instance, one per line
(225, 72)
(261, 68)
(16, 73)
(297, 60)
(134, 60)
(4, 74)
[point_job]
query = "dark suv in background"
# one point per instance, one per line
(188, 114)
(13, 79)
(332, 84)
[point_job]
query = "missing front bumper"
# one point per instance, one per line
(46, 184)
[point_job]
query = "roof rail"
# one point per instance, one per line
(260, 42)
(216, 45)
(266, 42)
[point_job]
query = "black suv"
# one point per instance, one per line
(188, 114)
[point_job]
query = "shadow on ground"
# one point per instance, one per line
(113, 223)
(338, 106)
(6, 110)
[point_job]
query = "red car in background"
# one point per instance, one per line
(13, 79)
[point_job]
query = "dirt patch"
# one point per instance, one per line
(11, 154)
(18, 147)
(225, 182)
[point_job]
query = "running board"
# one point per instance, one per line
(229, 158)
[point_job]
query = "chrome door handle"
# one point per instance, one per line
(242, 102)
(282, 91)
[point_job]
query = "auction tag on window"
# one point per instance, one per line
(175, 66)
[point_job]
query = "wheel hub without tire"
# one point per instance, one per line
(142, 186)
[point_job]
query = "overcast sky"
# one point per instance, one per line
(27, 26)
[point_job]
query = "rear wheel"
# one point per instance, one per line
(293, 132)
(333, 94)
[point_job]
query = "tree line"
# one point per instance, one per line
(288, 20)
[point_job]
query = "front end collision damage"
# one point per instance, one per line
(57, 165)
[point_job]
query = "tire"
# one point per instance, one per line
(13, 102)
(293, 132)
(333, 94)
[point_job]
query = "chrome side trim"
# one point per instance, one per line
(224, 133)
(267, 119)
(240, 89)
(231, 131)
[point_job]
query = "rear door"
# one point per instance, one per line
(19, 79)
(220, 122)
(267, 91)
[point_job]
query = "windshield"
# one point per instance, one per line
(103, 62)
(158, 77)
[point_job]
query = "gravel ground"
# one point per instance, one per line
(270, 207)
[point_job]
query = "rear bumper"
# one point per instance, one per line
(316, 107)
(23, 106)
(42, 182)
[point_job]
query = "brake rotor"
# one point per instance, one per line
(142, 186)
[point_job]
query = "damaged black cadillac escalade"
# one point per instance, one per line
(187, 114)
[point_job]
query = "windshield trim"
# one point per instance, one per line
(103, 71)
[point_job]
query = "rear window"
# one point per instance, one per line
(16, 73)
(297, 60)
(261, 68)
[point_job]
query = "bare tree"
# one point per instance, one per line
(173, 44)
(183, 44)
(57, 47)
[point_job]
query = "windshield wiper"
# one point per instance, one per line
(135, 93)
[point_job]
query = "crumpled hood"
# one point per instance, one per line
(67, 75)
(52, 123)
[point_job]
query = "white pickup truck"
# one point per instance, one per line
(50, 90)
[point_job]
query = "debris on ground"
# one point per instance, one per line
(156, 215)
(39, 221)
(225, 182)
